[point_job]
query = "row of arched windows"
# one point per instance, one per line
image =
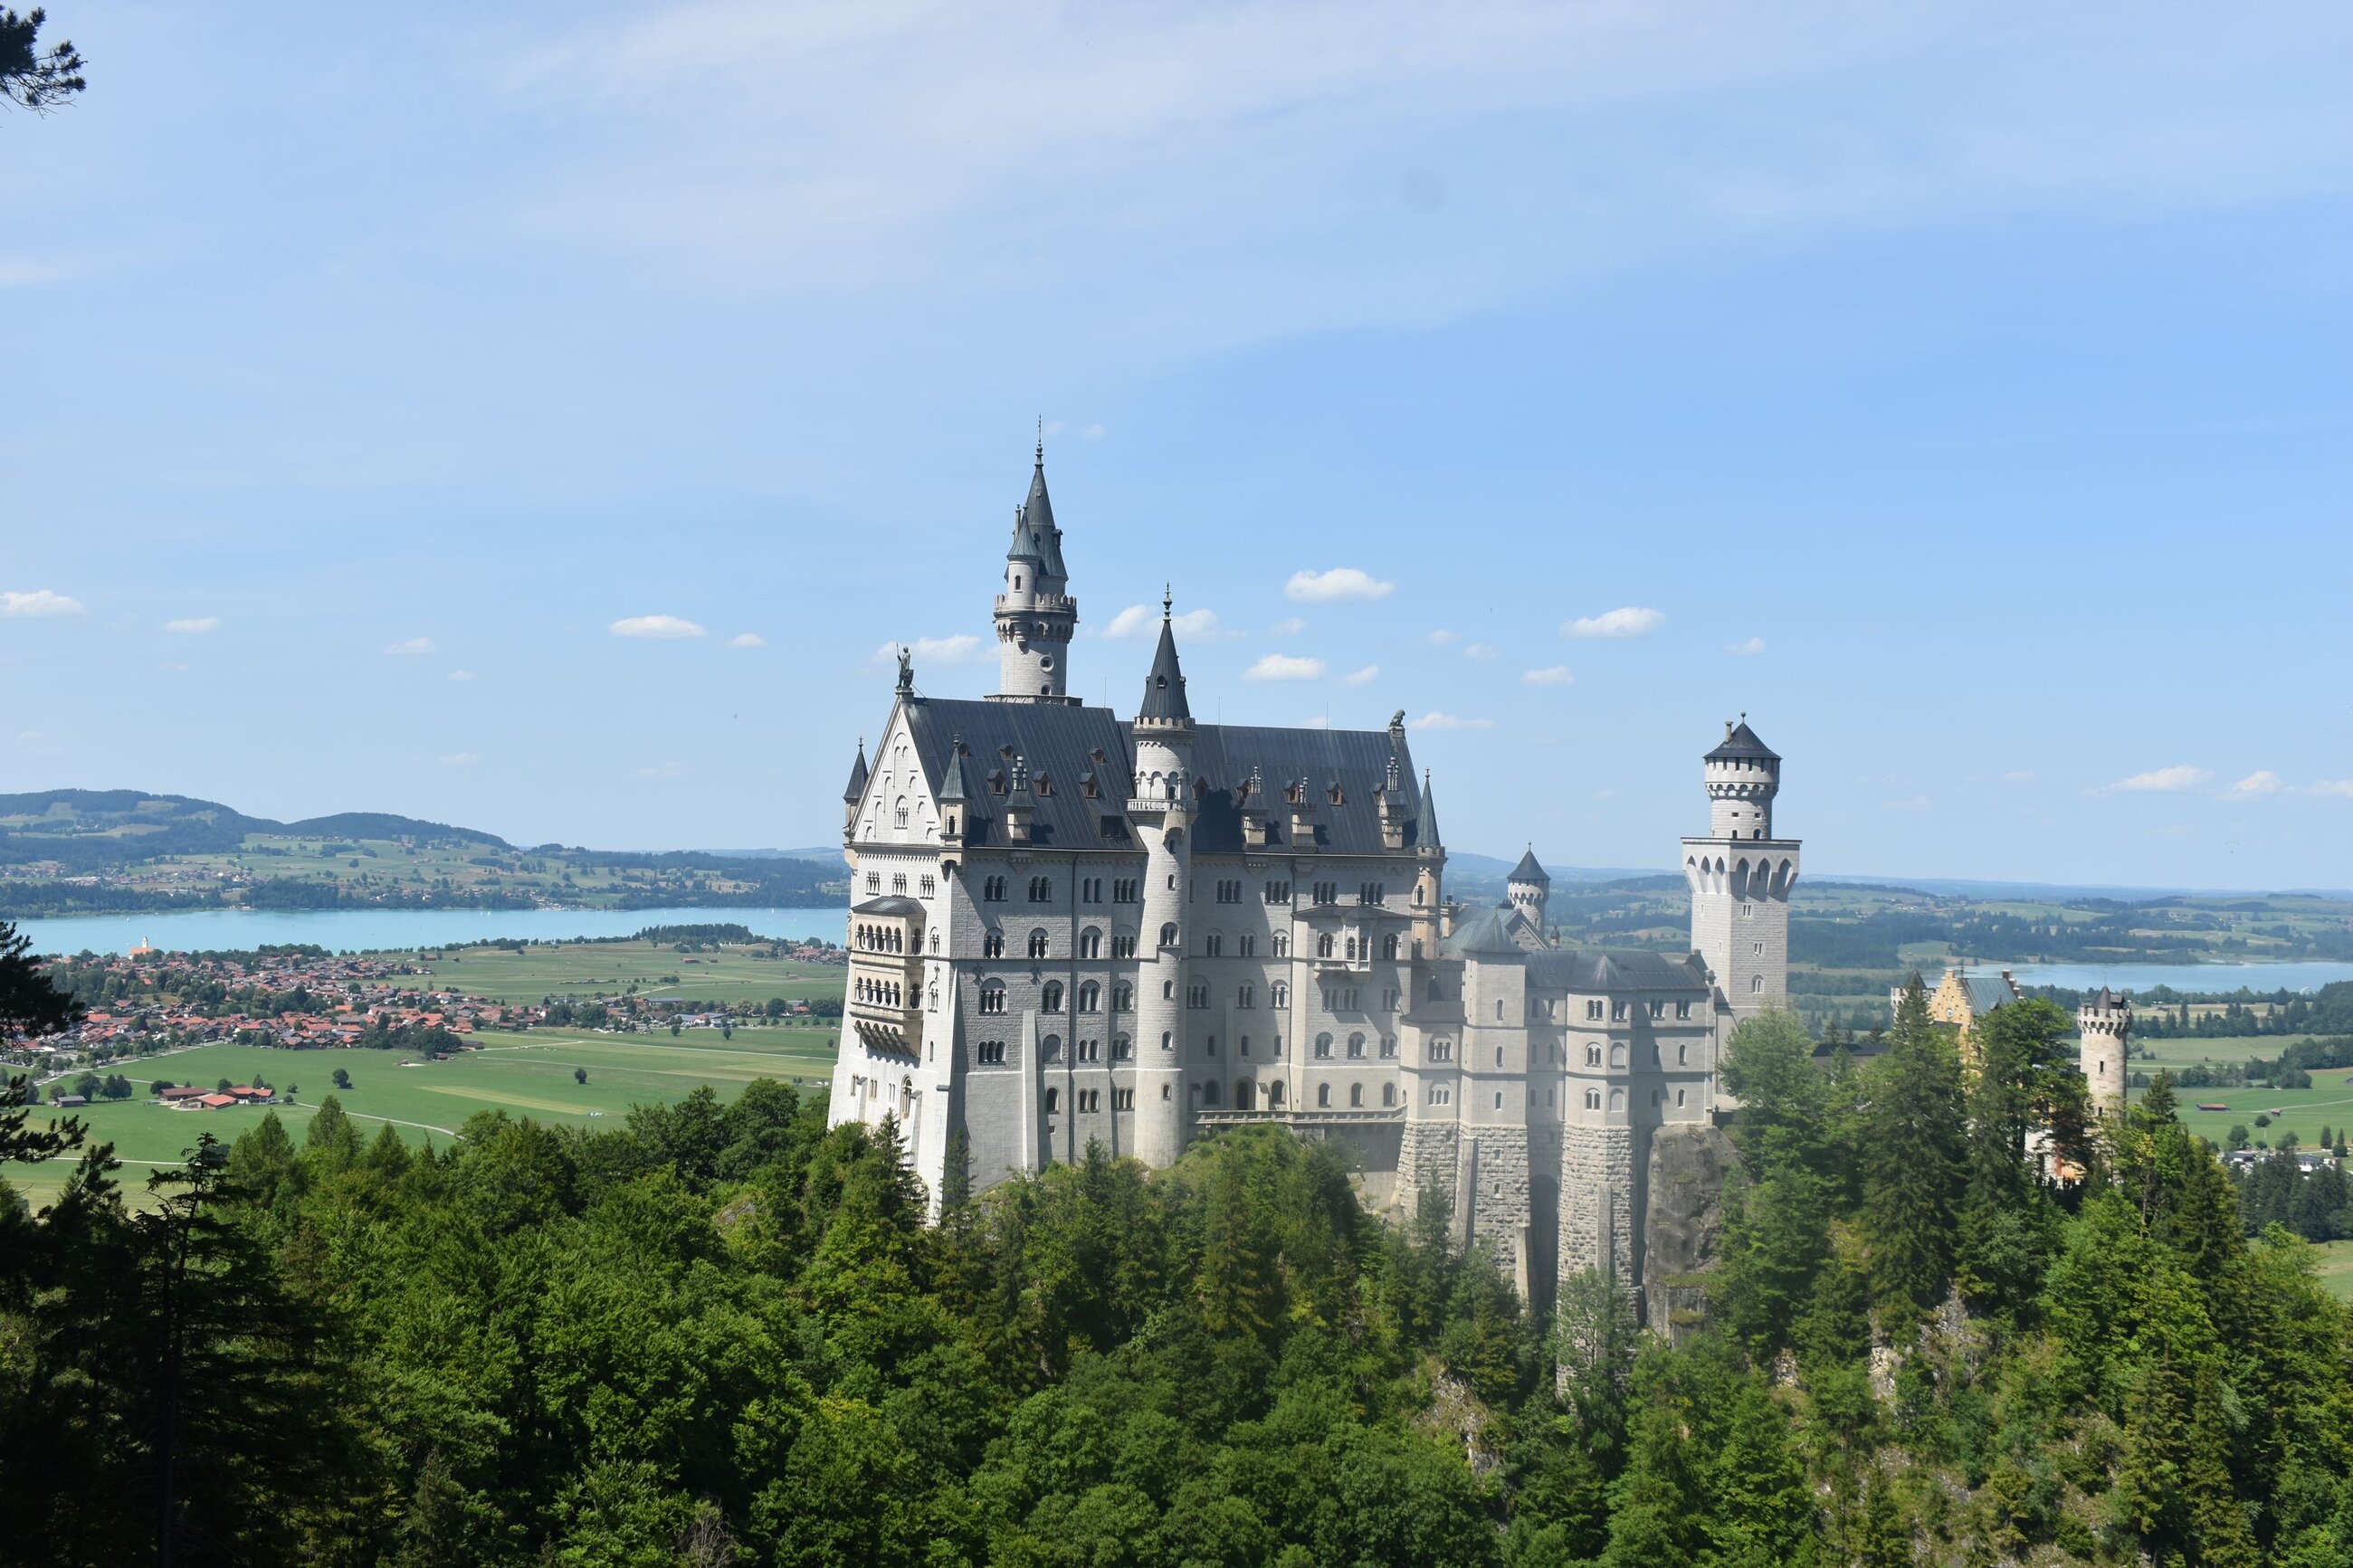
(880, 938)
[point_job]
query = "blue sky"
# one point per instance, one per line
(1958, 390)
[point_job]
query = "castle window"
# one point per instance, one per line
(1593, 1055)
(1388, 1094)
(1246, 996)
(1124, 945)
(992, 945)
(1196, 995)
(1038, 942)
(1441, 1094)
(1679, 1100)
(1275, 1095)
(1682, 1010)
(1746, 910)
(1436, 992)
(1323, 945)
(1389, 946)
(1356, 1047)
(1167, 1043)
(1324, 1045)
(1091, 943)
(1278, 893)
(1654, 1100)
(1089, 997)
(1169, 934)
(1123, 890)
(1123, 1100)
(992, 997)
(1246, 945)
(1683, 1056)
(1499, 1056)
(1616, 1099)
(1168, 991)
(1230, 890)
(1658, 1009)
(1323, 1094)
(1164, 1092)
(1053, 1101)
(992, 890)
(1212, 946)
(1352, 950)
(873, 881)
(1499, 1009)
(1593, 1008)
(1090, 1050)
(1357, 1095)
(1123, 998)
(1755, 984)
(1122, 1047)
(1757, 949)
(1210, 1092)
(1041, 889)
(990, 1053)
(1282, 945)
(1327, 892)
(1242, 1095)
(1389, 1047)
(900, 811)
(1091, 890)
(1278, 994)
(931, 885)
(1592, 1099)
(1209, 1045)
(1441, 1050)
(1388, 998)
(1618, 1057)
(1617, 1012)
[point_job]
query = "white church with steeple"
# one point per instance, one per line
(1070, 925)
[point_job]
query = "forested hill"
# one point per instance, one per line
(723, 1335)
(86, 831)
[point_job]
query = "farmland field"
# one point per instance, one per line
(2304, 1111)
(2336, 1267)
(734, 974)
(523, 1075)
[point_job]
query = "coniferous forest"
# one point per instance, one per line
(723, 1335)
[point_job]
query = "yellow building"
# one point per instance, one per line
(1961, 998)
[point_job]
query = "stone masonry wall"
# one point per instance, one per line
(1499, 1198)
(1427, 1154)
(1684, 1224)
(1598, 1202)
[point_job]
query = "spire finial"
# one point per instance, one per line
(1041, 440)
(1167, 599)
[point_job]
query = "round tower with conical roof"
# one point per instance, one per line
(1036, 615)
(1743, 775)
(1529, 889)
(1741, 875)
(1160, 804)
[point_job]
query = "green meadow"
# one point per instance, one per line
(586, 970)
(2304, 1111)
(527, 1075)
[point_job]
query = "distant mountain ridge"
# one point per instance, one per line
(89, 830)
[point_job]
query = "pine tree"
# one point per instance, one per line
(1914, 1169)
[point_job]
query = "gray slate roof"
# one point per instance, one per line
(1527, 871)
(1741, 745)
(857, 777)
(1164, 686)
(889, 904)
(1617, 969)
(1060, 743)
(1987, 992)
(1489, 932)
(1035, 537)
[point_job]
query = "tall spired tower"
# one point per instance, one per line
(1035, 615)
(1740, 875)
(1161, 806)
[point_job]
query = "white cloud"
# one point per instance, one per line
(1627, 621)
(1289, 627)
(654, 626)
(1481, 650)
(1551, 675)
(1359, 676)
(39, 604)
(2335, 786)
(1143, 620)
(194, 626)
(1435, 721)
(1440, 638)
(461, 675)
(1909, 802)
(460, 760)
(2160, 780)
(1284, 667)
(1748, 650)
(37, 743)
(414, 645)
(1341, 584)
(747, 639)
(1319, 722)
(2019, 776)
(2262, 781)
(932, 650)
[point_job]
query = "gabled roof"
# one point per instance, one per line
(1527, 871)
(1163, 688)
(1987, 992)
(1741, 745)
(1489, 931)
(1617, 969)
(1056, 740)
(1357, 761)
(857, 777)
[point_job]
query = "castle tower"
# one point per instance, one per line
(1741, 875)
(855, 794)
(1036, 615)
(2104, 1021)
(1161, 805)
(1529, 889)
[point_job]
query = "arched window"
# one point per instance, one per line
(1278, 994)
(1323, 1094)
(1247, 996)
(1275, 1095)
(900, 811)
(1091, 943)
(1051, 999)
(1169, 934)
(1755, 984)
(1210, 1092)
(1618, 1057)
(1038, 942)
(1357, 1095)
(1683, 1056)
(1050, 1050)
(1352, 950)
(1242, 1095)
(1282, 944)
(992, 997)
(1167, 1043)
(1592, 1099)
(1323, 1045)
(1616, 1099)
(1053, 1101)
(1388, 1094)
(1323, 945)
(992, 945)
(1356, 1047)
(1089, 997)
(1389, 945)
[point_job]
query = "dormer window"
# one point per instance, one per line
(1088, 786)
(1043, 784)
(997, 781)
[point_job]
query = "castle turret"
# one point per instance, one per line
(2104, 1021)
(1035, 617)
(1160, 807)
(856, 792)
(1741, 875)
(1529, 889)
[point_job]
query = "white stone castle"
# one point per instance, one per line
(1068, 927)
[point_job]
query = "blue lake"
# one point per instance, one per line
(2256, 978)
(365, 931)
